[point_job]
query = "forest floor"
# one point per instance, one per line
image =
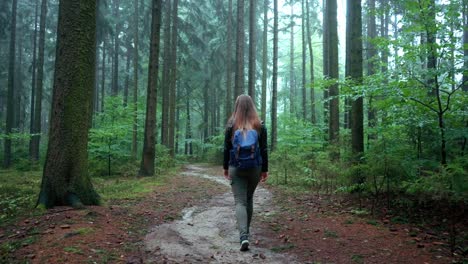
(189, 218)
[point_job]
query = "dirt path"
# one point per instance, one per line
(208, 233)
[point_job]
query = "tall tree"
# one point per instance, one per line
(115, 71)
(252, 46)
(11, 86)
(292, 75)
(149, 142)
(165, 85)
(127, 71)
(40, 84)
(33, 78)
(65, 180)
(354, 73)
(334, 120)
(371, 65)
(274, 97)
(264, 59)
(229, 63)
(135, 80)
(311, 58)
(465, 45)
(239, 75)
(304, 54)
(325, 59)
(173, 78)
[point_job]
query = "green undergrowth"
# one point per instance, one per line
(19, 190)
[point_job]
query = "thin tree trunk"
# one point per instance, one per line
(65, 179)
(371, 66)
(465, 45)
(115, 74)
(239, 75)
(173, 78)
(292, 77)
(326, 63)
(18, 90)
(252, 46)
(188, 128)
(304, 53)
(39, 88)
(311, 55)
(166, 76)
(135, 82)
(354, 72)
(229, 64)
(149, 151)
(33, 80)
(127, 73)
(264, 59)
(274, 97)
(103, 73)
(334, 121)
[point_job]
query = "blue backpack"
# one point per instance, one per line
(245, 153)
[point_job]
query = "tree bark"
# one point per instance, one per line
(149, 151)
(326, 63)
(103, 73)
(36, 138)
(115, 74)
(304, 53)
(274, 97)
(173, 78)
(264, 59)
(165, 85)
(334, 121)
(33, 79)
(354, 73)
(252, 46)
(312, 72)
(65, 179)
(127, 73)
(239, 75)
(229, 97)
(292, 76)
(465, 45)
(135, 82)
(371, 66)
(11, 87)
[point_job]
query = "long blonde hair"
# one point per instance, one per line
(245, 115)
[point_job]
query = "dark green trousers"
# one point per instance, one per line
(243, 184)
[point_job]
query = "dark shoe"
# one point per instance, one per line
(244, 245)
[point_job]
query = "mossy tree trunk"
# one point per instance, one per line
(173, 79)
(65, 179)
(313, 114)
(166, 74)
(274, 97)
(149, 151)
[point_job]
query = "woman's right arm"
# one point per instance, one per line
(227, 147)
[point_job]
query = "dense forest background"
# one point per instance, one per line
(369, 98)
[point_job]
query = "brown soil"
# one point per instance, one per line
(305, 226)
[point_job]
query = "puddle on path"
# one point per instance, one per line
(208, 234)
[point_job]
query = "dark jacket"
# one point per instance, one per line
(262, 142)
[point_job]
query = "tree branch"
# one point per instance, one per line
(424, 104)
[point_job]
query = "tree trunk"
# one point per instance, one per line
(465, 45)
(311, 54)
(334, 121)
(239, 76)
(252, 46)
(165, 85)
(304, 53)
(371, 66)
(264, 59)
(127, 73)
(274, 97)
(354, 73)
(135, 82)
(149, 151)
(11, 86)
(188, 128)
(292, 76)
(103, 73)
(326, 63)
(115, 73)
(33, 80)
(65, 179)
(18, 90)
(173, 78)
(229, 97)
(40, 77)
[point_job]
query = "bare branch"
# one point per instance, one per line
(424, 104)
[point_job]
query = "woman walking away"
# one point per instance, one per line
(245, 161)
